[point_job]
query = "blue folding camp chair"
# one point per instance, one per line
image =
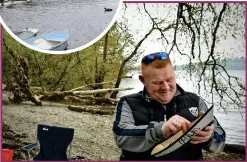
(53, 141)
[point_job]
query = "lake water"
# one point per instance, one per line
(83, 19)
(232, 122)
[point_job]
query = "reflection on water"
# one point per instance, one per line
(232, 122)
(234, 125)
(83, 19)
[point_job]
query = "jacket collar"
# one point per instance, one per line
(148, 98)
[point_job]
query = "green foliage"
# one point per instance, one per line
(65, 72)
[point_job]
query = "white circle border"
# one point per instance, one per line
(70, 50)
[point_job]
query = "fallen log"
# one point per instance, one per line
(59, 95)
(90, 100)
(100, 91)
(74, 99)
(235, 148)
(92, 110)
(37, 90)
(90, 85)
(87, 97)
(52, 96)
(35, 100)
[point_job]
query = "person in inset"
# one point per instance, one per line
(145, 119)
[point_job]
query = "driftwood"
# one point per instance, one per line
(89, 100)
(37, 90)
(234, 148)
(91, 85)
(100, 91)
(60, 95)
(92, 109)
(74, 99)
(52, 96)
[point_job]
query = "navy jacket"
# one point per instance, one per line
(138, 122)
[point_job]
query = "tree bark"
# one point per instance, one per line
(100, 76)
(62, 75)
(40, 71)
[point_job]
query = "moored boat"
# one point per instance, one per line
(55, 41)
(27, 33)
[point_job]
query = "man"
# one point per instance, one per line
(162, 109)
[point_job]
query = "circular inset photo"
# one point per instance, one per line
(58, 26)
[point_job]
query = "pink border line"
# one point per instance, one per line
(134, 2)
(245, 77)
(184, 1)
(1, 53)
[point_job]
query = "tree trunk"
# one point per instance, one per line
(120, 73)
(40, 71)
(62, 75)
(100, 76)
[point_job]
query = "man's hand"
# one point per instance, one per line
(174, 125)
(203, 136)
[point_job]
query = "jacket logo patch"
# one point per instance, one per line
(194, 111)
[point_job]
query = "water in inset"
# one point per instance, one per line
(83, 19)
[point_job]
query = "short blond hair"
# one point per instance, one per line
(156, 64)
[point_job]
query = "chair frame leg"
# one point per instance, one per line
(69, 151)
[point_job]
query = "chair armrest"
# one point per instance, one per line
(30, 146)
(77, 158)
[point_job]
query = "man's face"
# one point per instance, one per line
(160, 83)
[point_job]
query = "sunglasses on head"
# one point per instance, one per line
(151, 57)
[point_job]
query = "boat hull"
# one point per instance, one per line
(62, 47)
(55, 41)
(27, 33)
